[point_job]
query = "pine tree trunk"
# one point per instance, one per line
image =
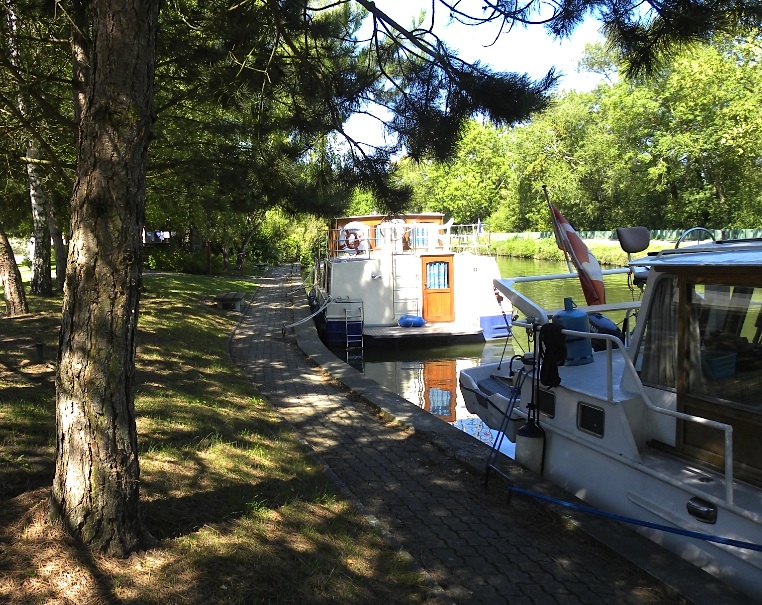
(42, 283)
(59, 248)
(10, 279)
(95, 489)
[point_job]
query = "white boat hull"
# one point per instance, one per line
(640, 492)
(612, 474)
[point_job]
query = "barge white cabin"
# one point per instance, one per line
(411, 279)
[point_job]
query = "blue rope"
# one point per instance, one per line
(673, 530)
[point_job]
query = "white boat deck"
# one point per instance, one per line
(704, 479)
(579, 378)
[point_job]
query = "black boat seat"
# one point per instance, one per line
(633, 239)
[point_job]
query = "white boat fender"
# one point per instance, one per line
(530, 446)
(512, 429)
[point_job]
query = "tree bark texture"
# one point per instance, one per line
(10, 279)
(96, 485)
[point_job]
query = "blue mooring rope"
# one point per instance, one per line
(672, 530)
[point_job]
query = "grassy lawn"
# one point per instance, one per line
(242, 513)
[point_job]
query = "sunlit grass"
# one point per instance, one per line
(242, 513)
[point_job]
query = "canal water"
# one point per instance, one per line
(429, 377)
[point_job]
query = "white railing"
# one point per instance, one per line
(469, 237)
(360, 241)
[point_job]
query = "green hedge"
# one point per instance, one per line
(546, 249)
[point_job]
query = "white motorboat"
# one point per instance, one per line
(664, 429)
(408, 279)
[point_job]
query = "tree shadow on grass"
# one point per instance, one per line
(246, 544)
(172, 516)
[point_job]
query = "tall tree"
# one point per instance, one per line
(35, 98)
(470, 185)
(648, 34)
(706, 139)
(96, 486)
(95, 490)
(41, 271)
(41, 274)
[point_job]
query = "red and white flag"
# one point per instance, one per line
(587, 266)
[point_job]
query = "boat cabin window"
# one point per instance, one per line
(723, 343)
(722, 378)
(658, 354)
(703, 340)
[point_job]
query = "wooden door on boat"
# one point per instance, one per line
(438, 293)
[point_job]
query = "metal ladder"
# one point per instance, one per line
(351, 318)
(491, 465)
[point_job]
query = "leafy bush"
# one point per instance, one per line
(546, 249)
(176, 260)
(526, 247)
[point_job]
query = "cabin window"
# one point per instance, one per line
(723, 348)
(546, 403)
(722, 380)
(438, 275)
(590, 419)
(658, 363)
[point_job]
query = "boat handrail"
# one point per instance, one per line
(630, 367)
(551, 276)
(408, 238)
(532, 310)
(694, 230)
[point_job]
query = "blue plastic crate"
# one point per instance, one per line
(718, 364)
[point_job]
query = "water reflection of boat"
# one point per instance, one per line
(411, 278)
(428, 378)
(665, 431)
